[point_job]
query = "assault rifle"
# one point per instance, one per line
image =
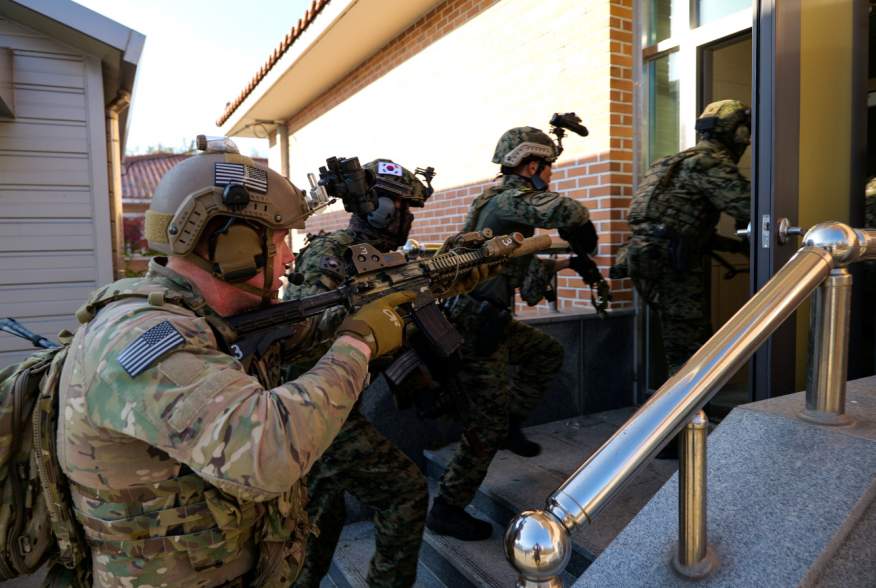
(379, 274)
(13, 327)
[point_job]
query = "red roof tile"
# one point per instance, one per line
(305, 21)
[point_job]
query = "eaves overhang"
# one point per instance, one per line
(341, 37)
(118, 47)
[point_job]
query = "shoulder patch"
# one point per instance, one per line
(145, 349)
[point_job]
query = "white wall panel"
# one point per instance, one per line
(54, 218)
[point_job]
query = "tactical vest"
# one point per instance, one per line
(498, 290)
(658, 211)
(488, 218)
(207, 525)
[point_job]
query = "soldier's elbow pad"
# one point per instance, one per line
(582, 238)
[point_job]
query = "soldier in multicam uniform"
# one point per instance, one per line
(361, 460)
(495, 405)
(185, 465)
(673, 216)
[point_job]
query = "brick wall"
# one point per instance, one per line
(586, 64)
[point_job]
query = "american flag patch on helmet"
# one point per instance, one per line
(239, 173)
(140, 353)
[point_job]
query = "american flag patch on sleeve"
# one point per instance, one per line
(238, 173)
(140, 353)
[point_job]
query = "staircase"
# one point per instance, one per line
(790, 503)
(513, 484)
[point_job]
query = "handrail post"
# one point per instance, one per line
(829, 350)
(694, 558)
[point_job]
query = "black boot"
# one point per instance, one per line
(517, 443)
(446, 519)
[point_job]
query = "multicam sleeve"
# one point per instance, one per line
(200, 407)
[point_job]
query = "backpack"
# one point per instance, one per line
(37, 524)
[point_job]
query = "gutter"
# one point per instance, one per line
(116, 107)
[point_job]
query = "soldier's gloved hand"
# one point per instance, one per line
(378, 324)
(588, 271)
(470, 280)
(586, 268)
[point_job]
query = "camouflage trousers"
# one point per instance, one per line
(493, 398)
(678, 298)
(366, 464)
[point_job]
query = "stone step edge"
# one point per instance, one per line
(337, 577)
(500, 511)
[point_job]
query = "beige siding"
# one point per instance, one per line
(53, 240)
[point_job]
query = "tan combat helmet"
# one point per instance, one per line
(518, 143)
(721, 119)
(221, 183)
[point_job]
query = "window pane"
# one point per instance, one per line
(664, 19)
(709, 10)
(662, 106)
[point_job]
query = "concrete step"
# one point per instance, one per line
(354, 551)
(790, 503)
(468, 564)
(514, 484)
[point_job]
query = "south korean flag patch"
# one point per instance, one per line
(145, 349)
(389, 168)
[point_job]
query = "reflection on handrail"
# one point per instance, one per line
(584, 494)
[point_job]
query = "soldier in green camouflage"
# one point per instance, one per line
(870, 204)
(495, 404)
(185, 464)
(673, 216)
(361, 460)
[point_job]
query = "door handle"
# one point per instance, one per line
(746, 232)
(785, 231)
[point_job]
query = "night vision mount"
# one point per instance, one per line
(570, 121)
(345, 178)
(427, 174)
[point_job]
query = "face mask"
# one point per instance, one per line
(380, 217)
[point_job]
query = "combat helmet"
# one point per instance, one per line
(724, 121)
(521, 142)
(221, 183)
(401, 182)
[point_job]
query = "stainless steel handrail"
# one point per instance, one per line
(539, 563)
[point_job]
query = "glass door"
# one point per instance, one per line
(725, 73)
(693, 52)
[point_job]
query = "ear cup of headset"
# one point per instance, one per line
(238, 254)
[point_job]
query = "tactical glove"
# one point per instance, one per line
(470, 280)
(586, 268)
(378, 323)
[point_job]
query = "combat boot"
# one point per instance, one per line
(453, 521)
(517, 443)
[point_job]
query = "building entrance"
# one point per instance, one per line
(725, 73)
(695, 52)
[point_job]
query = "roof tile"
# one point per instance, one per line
(315, 8)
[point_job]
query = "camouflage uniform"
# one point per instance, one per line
(674, 213)
(361, 460)
(189, 473)
(870, 204)
(492, 400)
